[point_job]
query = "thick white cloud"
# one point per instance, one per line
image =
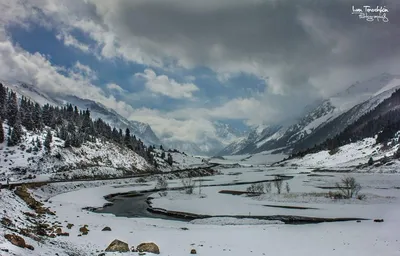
(162, 84)
(36, 69)
(166, 126)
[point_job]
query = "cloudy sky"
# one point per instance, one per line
(179, 65)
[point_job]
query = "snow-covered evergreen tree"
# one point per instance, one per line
(48, 140)
(1, 131)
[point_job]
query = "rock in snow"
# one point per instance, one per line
(148, 247)
(117, 246)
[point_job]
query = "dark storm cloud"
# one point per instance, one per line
(291, 40)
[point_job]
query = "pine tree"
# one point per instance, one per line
(170, 161)
(127, 138)
(1, 130)
(37, 117)
(67, 142)
(17, 130)
(161, 147)
(163, 155)
(48, 140)
(12, 108)
(38, 143)
(3, 101)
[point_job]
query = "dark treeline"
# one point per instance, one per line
(72, 125)
(383, 120)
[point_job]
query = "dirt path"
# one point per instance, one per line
(146, 174)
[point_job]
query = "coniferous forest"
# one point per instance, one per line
(72, 125)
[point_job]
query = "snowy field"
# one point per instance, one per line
(307, 196)
(227, 236)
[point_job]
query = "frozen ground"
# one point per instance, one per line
(224, 236)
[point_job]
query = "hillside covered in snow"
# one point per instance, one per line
(324, 121)
(63, 143)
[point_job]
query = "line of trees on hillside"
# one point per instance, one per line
(72, 125)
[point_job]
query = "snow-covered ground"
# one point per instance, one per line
(351, 155)
(226, 236)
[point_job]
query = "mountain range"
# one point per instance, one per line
(324, 120)
(210, 143)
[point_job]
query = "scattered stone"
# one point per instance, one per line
(106, 229)
(63, 234)
(4, 250)
(30, 247)
(22, 192)
(358, 221)
(18, 241)
(6, 221)
(142, 253)
(70, 225)
(30, 214)
(378, 220)
(15, 240)
(52, 235)
(133, 249)
(148, 247)
(184, 228)
(193, 251)
(102, 254)
(84, 230)
(117, 246)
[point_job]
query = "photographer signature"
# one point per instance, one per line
(371, 14)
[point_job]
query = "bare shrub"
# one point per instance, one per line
(188, 185)
(257, 188)
(287, 187)
(162, 185)
(361, 197)
(141, 180)
(348, 187)
(278, 182)
(268, 187)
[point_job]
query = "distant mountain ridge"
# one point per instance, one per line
(209, 145)
(141, 130)
(325, 120)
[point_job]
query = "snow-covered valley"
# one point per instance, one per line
(307, 195)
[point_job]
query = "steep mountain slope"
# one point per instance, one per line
(141, 130)
(249, 143)
(328, 118)
(383, 121)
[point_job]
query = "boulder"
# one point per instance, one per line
(15, 240)
(70, 225)
(378, 220)
(18, 241)
(58, 231)
(193, 251)
(148, 247)
(106, 229)
(117, 246)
